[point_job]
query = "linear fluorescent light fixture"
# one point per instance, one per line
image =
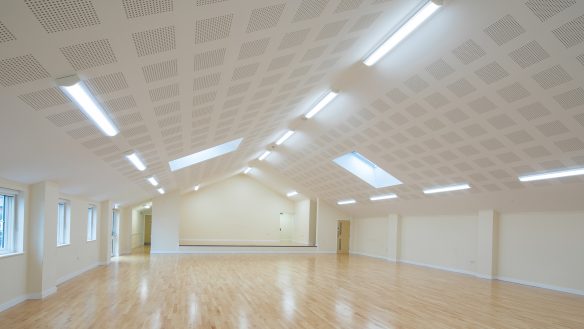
(77, 92)
(321, 104)
(196, 188)
(136, 161)
(264, 155)
(552, 174)
(152, 180)
(247, 170)
(291, 194)
(161, 190)
(383, 197)
(448, 188)
(366, 170)
(285, 137)
(204, 155)
(147, 206)
(348, 201)
(403, 31)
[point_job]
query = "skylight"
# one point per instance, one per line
(368, 171)
(204, 155)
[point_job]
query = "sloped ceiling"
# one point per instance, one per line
(481, 93)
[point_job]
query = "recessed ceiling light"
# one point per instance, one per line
(204, 155)
(247, 170)
(76, 90)
(287, 135)
(147, 206)
(348, 201)
(136, 161)
(383, 197)
(196, 188)
(403, 31)
(552, 174)
(264, 155)
(153, 181)
(360, 166)
(161, 190)
(321, 104)
(448, 188)
(291, 194)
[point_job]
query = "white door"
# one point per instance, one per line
(286, 226)
(115, 233)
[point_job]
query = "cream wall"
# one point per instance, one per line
(165, 223)
(301, 221)
(326, 226)
(237, 209)
(137, 228)
(539, 249)
(543, 248)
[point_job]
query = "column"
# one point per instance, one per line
(486, 243)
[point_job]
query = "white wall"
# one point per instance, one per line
(326, 226)
(165, 222)
(301, 221)
(545, 248)
(369, 236)
(13, 284)
(237, 209)
(137, 228)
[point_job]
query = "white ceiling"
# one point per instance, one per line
(481, 93)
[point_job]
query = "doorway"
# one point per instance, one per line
(115, 233)
(147, 229)
(343, 236)
(286, 227)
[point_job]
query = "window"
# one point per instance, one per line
(63, 223)
(91, 223)
(8, 222)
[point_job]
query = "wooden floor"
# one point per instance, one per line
(289, 291)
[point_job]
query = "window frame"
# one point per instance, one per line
(63, 228)
(11, 224)
(91, 223)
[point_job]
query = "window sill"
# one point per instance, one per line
(63, 245)
(91, 240)
(11, 254)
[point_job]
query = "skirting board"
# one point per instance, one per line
(242, 252)
(70, 276)
(226, 240)
(499, 278)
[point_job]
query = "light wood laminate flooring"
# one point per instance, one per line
(289, 291)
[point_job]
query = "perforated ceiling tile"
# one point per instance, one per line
(214, 28)
(171, 131)
(169, 120)
(396, 95)
(168, 108)
(238, 89)
(83, 132)
(571, 99)
(253, 48)
(571, 33)
(552, 77)
(439, 69)
(545, 9)
(154, 41)
(271, 80)
(21, 69)
(364, 22)
(107, 83)
(140, 8)
(344, 45)
(265, 17)
(129, 119)
(313, 53)
(293, 39)
(552, 128)
(209, 59)
(164, 92)
(519, 137)
(461, 87)
(206, 81)
(66, 118)
(135, 131)
(437, 100)
(309, 9)
(280, 62)
(468, 52)
(416, 84)
(537, 152)
(160, 71)
(120, 104)
(346, 5)
(529, 54)
(5, 34)
(501, 121)
(62, 15)
(89, 54)
(570, 145)
(204, 98)
(331, 30)
(580, 119)
(504, 30)
(245, 71)
(97, 142)
(491, 72)
(513, 92)
(533, 111)
(45, 98)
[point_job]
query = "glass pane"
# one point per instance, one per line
(2, 221)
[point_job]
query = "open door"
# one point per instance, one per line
(115, 233)
(343, 236)
(147, 229)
